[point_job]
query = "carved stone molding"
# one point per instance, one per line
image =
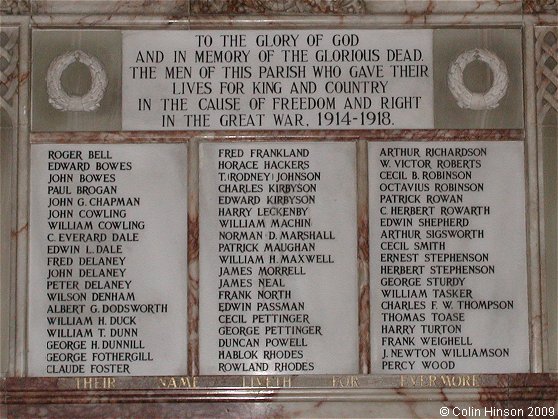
(15, 7)
(61, 100)
(540, 6)
(9, 72)
(278, 6)
(478, 101)
(546, 71)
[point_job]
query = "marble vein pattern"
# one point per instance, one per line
(182, 8)
(510, 390)
(540, 6)
(193, 292)
(417, 8)
(35, 398)
(363, 257)
(132, 9)
(348, 135)
(193, 260)
(279, 6)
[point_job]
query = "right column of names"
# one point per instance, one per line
(448, 257)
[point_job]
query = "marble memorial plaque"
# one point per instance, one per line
(448, 271)
(108, 251)
(280, 79)
(278, 262)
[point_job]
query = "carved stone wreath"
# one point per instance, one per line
(478, 101)
(61, 100)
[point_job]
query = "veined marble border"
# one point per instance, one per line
(141, 396)
(291, 135)
(248, 383)
(183, 8)
(388, 20)
(542, 78)
(379, 396)
(16, 166)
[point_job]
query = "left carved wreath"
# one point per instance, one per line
(60, 99)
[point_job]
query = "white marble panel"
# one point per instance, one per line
(448, 272)
(278, 263)
(280, 79)
(107, 279)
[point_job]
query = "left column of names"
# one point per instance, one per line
(108, 255)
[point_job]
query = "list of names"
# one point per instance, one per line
(448, 269)
(108, 260)
(278, 258)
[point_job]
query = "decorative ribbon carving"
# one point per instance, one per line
(61, 100)
(15, 7)
(478, 101)
(9, 72)
(546, 71)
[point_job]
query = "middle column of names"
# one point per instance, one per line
(278, 281)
